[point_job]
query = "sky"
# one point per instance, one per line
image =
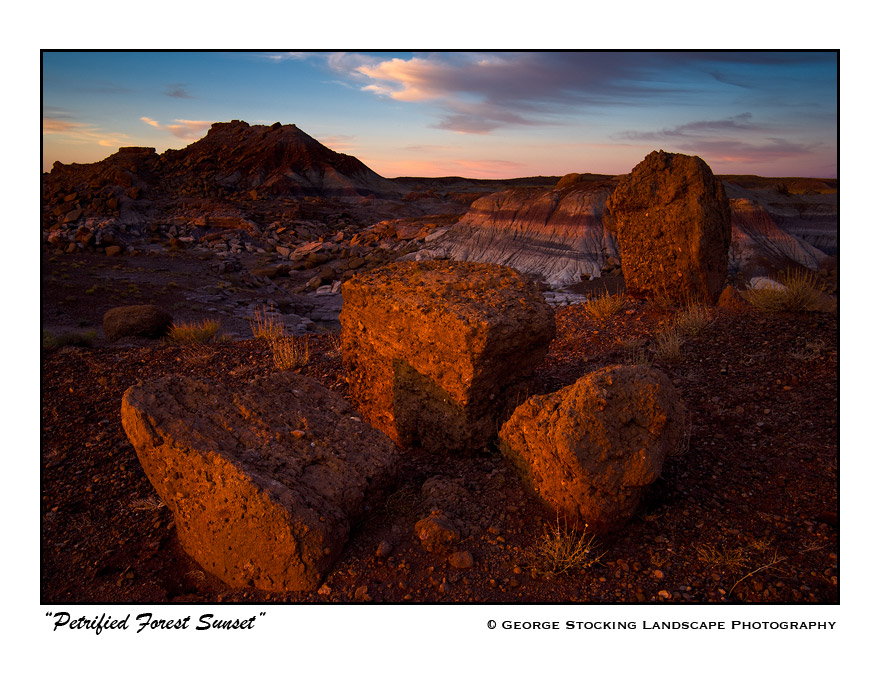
(473, 114)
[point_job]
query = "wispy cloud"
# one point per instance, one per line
(178, 91)
(743, 152)
(338, 142)
(738, 139)
(81, 132)
(289, 56)
(478, 93)
(738, 123)
(188, 130)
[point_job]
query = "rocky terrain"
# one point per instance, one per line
(156, 453)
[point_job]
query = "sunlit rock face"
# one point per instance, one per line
(557, 234)
(435, 350)
(266, 479)
(590, 450)
(672, 219)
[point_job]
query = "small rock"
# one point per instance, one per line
(324, 590)
(436, 532)
(384, 549)
(461, 560)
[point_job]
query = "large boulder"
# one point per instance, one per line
(672, 220)
(264, 479)
(591, 449)
(434, 350)
(144, 321)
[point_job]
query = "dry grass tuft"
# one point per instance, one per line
(668, 344)
(290, 352)
(733, 558)
(562, 549)
(694, 319)
(802, 292)
(266, 324)
(69, 339)
(194, 333)
(684, 444)
(600, 306)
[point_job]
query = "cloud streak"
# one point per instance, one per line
(737, 123)
(480, 93)
(188, 130)
(178, 91)
(65, 126)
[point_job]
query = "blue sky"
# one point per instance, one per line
(483, 115)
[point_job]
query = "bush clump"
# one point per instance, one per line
(601, 306)
(194, 333)
(802, 293)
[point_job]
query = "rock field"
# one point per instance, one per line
(458, 405)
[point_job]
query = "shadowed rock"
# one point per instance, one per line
(672, 220)
(264, 480)
(434, 349)
(591, 449)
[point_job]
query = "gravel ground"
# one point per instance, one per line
(747, 512)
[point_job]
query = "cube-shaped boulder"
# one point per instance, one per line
(264, 479)
(435, 350)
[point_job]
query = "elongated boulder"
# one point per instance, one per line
(265, 479)
(591, 449)
(435, 349)
(672, 220)
(143, 321)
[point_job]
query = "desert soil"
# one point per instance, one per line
(747, 512)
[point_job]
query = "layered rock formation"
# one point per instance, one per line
(591, 449)
(434, 349)
(756, 238)
(672, 220)
(264, 481)
(234, 159)
(557, 234)
(804, 208)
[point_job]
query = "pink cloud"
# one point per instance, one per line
(188, 130)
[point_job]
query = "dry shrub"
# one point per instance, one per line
(266, 324)
(637, 357)
(194, 333)
(69, 338)
(684, 444)
(733, 558)
(562, 549)
(635, 353)
(601, 306)
(802, 292)
(289, 352)
(693, 319)
(669, 344)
